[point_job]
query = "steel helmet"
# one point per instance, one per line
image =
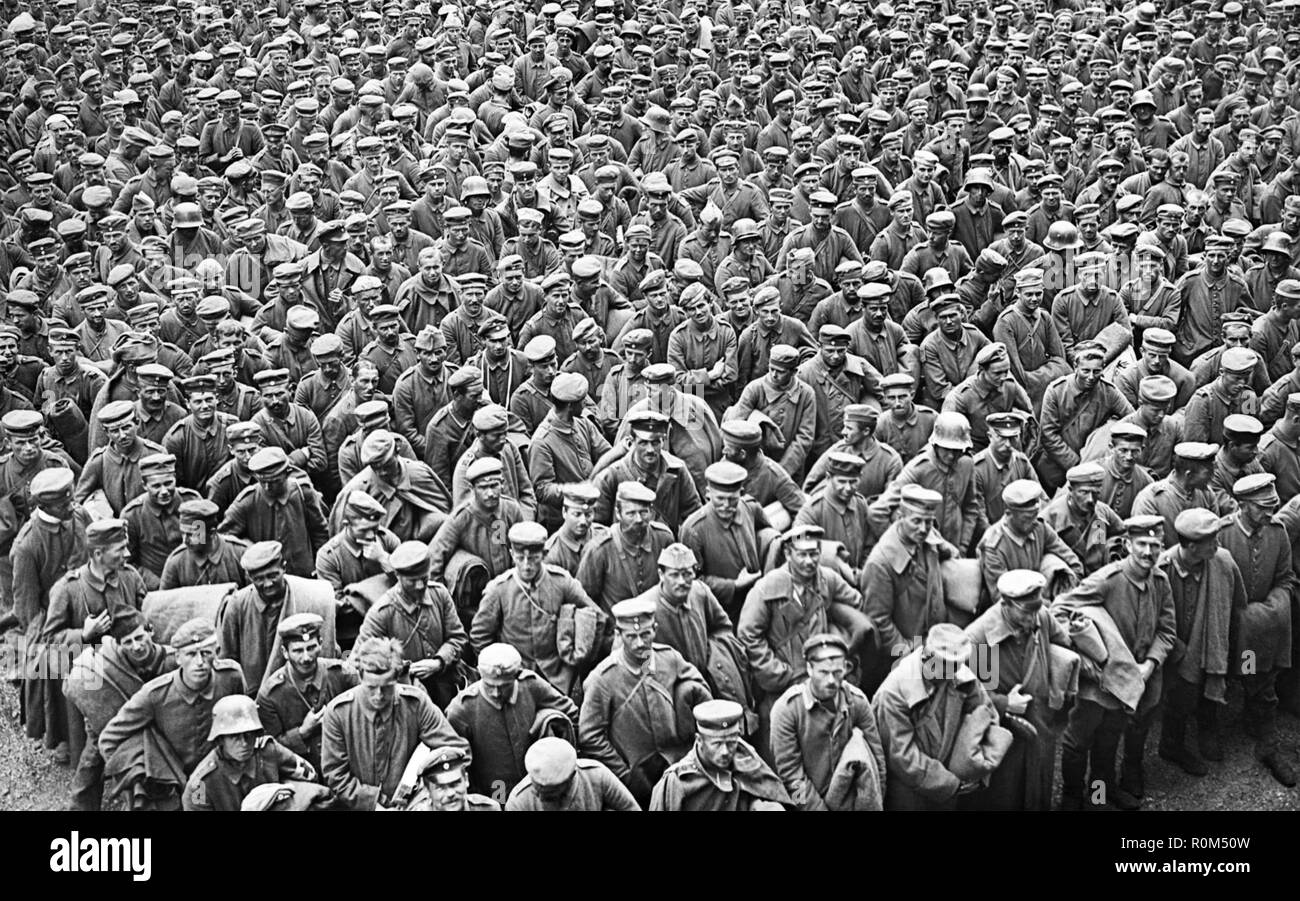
(935, 278)
(1062, 235)
(187, 215)
(474, 186)
(743, 229)
(951, 430)
(233, 715)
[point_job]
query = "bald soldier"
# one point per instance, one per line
(815, 722)
(722, 771)
(501, 713)
(522, 607)
(634, 715)
(558, 780)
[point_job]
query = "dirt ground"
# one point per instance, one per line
(31, 780)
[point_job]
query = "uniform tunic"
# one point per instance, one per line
(364, 752)
(284, 701)
(676, 496)
(180, 715)
(499, 735)
(429, 629)
(779, 614)
(1002, 549)
(809, 737)
(1209, 406)
(154, 532)
(200, 451)
(793, 409)
(116, 473)
(416, 398)
(561, 454)
(299, 436)
(919, 720)
(296, 520)
(592, 787)
(960, 513)
(221, 784)
(1089, 540)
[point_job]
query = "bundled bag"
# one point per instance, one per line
(578, 633)
(1086, 638)
(855, 784)
(981, 745)
(962, 583)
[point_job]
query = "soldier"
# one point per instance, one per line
(944, 467)
(919, 711)
(1157, 344)
(881, 463)
(565, 446)
(619, 564)
(176, 710)
(510, 603)
(321, 388)
(128, 657)
(115, 467)
(703, 351)
(500, 712)
(1019, 632)
(1236, 459)
(392, 351)
(722, 771)
(626, 384)
(471, 534)
(48, 545)
(30, 452)
(445, 785)
(646, 463)
(1032, 344)
(447, 434)
(361, 765)
(723, 535)
(558, 780)
(1123, 479)
(1137, 606)
(280, 507)
(1207, 589)
(789, 403)
(1259, 544)
(1075, 406)
(577, 527)
(1086, 524)
(1156, 394)
(423, 389)
(361, 549)
(369, 417)
(947, 355)
(243, 439)
(1002, 462)
(1021, 540)
(992, 389)
(634, 701)
(244, 758)
(153, 518)
(693, 433)
(291, 702)
(1186, 486)
(531, 401)
(199, 441)
(490, 422)
(1279, 451)
(289, 425)
(1229, 393)
(813, 725)
(843, 514)
(908, 425)
(1206, 294)
(838, 379)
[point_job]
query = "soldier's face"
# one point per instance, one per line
(717, 751)
(447, 795)
(1144, 550)
(161, 489)
(638, 638)
(826, 675)
(195, 661)
(487, 491)
(138, 645)
(578, 518)
(238, 748)
(122, 435)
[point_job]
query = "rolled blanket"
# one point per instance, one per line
(981, 744)
(855, 784)
(167, 611)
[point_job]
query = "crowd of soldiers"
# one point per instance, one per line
(669, 405)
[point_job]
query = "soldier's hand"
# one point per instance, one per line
(423, 669)
(745, 578)
(1017, 701)
(96, 626)
(336, 296)
(967, 787)
(311, 721)
(374, 551)
(1147, 668)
